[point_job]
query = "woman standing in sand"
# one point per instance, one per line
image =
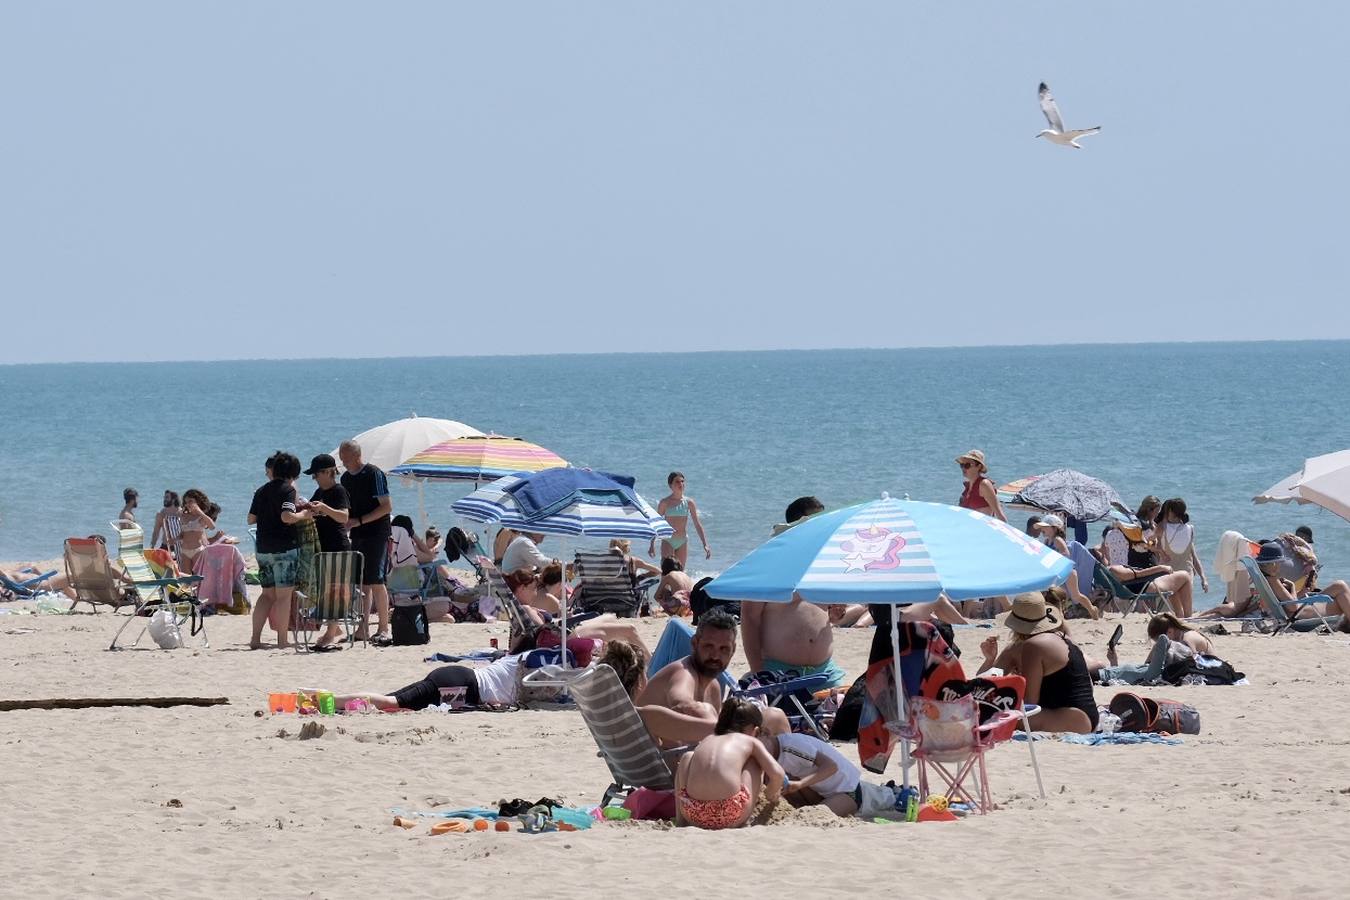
(1176, 541)
(979, 493)
(274, 512)
(679, 511)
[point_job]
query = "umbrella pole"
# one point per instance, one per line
(900, 695)
(422, 502)
(562, 598)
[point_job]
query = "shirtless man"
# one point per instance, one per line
(680, 703)
(795, 635)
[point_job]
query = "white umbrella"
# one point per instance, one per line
(1323, 481)
(387, 445)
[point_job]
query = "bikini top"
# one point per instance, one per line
(679, 510)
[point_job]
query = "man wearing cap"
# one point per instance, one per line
(368, 520)
(329, 505)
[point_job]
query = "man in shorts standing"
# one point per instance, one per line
(368, 520)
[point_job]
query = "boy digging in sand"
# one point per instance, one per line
(718, 784)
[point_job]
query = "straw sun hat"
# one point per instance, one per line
(1032, 615)
(975, 456)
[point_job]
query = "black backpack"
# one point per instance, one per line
(408, 625)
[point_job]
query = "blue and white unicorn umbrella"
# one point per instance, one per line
(897, 552)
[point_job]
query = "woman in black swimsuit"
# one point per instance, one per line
(1054, 668)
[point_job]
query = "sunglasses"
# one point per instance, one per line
(967, 465)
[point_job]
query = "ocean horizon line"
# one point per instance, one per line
(761, 350)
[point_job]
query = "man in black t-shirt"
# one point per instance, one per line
(368, 520)
(329, 505)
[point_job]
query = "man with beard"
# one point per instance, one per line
(681, 702)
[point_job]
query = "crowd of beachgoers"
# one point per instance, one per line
(742, 750)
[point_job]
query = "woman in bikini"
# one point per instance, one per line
(1055, 670)
(168, 523)
(980, 495)
(718, 784)
(194, 524)
(679, 511)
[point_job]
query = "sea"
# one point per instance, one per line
(1213, 423)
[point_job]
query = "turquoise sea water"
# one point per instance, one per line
(1213, 423)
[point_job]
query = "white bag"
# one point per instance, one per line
(163, 628)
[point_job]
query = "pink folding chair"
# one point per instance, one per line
(952, 742)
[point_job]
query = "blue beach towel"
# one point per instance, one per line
(1120, 737)
(545, 493)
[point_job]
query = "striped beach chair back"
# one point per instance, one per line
(506, 600)
(606, 584)
(131, 554)
(337, 586)
(632, 754)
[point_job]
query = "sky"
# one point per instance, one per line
(316, 179)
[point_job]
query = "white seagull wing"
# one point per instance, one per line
(1050, 108)
(1082, 132)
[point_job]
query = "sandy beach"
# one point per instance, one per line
(227, 801)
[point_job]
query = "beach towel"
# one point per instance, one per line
(927, 665)
(221, 567)
(1084, 567)
(545, 493)
(1232, 548)
(1119, 737)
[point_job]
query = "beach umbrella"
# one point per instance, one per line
(897, 552)
(567, 502)
(387, 445)
(1323, 481)
(477, 458)
(1085, 498)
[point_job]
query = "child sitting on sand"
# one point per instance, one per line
(817, 772)
(718, 784)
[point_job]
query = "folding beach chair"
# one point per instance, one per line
(174, 595)
(92, 577)
(26, 589)
(606, 584)
(787, 695)
(1274, 611)
(952, 742)
(1125, 600)
(337, 596)
(634, 758)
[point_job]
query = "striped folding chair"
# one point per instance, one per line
(176, 595)
(606, 584)
(336, 596)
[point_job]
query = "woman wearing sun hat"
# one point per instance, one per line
(1056, 673)
(979, 494)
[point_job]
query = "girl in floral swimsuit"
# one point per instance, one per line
(718, 784)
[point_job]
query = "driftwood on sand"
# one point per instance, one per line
(90, 702)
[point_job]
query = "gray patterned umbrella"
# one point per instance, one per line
(1081, 496)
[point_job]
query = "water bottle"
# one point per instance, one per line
(1108, 723)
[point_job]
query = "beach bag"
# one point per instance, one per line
(164, 631)
(534, 695)
(408, 625)
(1202, 666)
(700, 602)
(1145, 715)
(646, 803)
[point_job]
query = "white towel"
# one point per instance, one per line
(1232, 548)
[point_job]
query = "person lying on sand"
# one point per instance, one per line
(718, 785)
(818, 773)
(1173, 640)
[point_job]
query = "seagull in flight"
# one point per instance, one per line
(1056, 133)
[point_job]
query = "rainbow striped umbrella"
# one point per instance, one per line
(482, 458)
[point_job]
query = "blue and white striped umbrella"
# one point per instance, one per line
(587, 515)
(893, 551)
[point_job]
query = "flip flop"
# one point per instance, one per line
(325, 648)
(1115, 637)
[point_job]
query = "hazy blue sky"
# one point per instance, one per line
(222, 180)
